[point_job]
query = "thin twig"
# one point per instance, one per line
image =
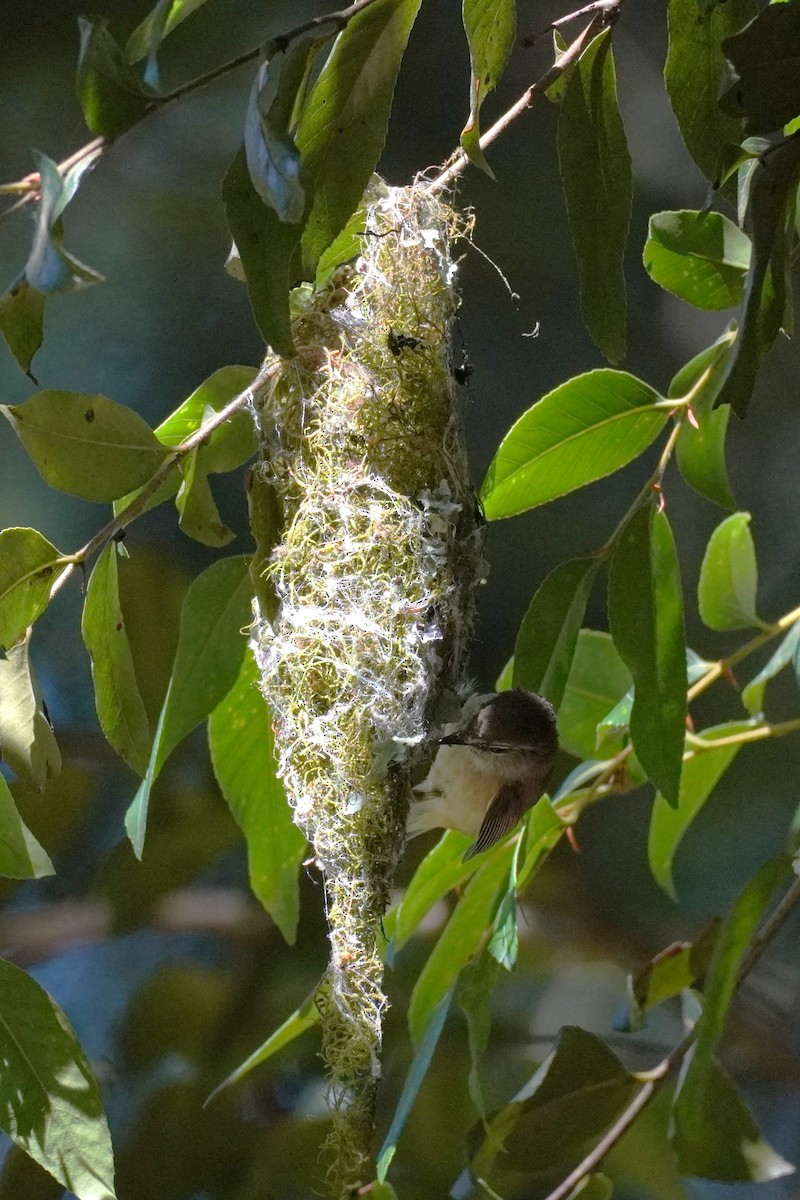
(562, 63)
(655, 1079)
(607, 7)
(337, 20)
(139, 502)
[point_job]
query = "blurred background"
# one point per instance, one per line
(168, 969)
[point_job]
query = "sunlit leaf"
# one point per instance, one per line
(726, 592)
(147, 37)
(343, 124)
(765, 68)
(694, 69)
(27, 742)
(209, 656)
(700, 449)
(645, 608)
(120, 708)
(598, 680)
(598, 186)
(585, 429)
(491, 27)
(672, 970)
(701, 257)
(89, 446)
(21, 856)
(49, 1099)
(198, 515)
(242, 751)
(699, 777)
(111, 94)
(548, 635)
(441, 870)
(22, 321)
(416, 1074)
(27, 574)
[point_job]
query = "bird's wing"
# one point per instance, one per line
(506, 808)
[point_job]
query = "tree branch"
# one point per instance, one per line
(655, 1079)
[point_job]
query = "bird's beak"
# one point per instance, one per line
(453, 739)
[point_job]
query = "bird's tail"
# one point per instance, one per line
(423, 815)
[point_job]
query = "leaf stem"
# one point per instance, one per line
(725, 665)
(139, 502)
(654, 1079)
(759, 734)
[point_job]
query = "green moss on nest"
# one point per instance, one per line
(373, 579)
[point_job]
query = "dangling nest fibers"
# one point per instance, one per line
(373, 581)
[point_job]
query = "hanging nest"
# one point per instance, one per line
(366, 601)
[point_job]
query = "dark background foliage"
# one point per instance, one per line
(169, 970)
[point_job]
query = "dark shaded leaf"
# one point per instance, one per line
(243, 754)
(266, 248)
(120, 708)
(598, 186)
(772, 184)
(753, 694)
(726, 592)
(765, 70)
(679, 966)
(89, 446)
(585, 429)
(27, 574)
(343, 124)
(645, 609)
(701, 774)
(475, 990)
(146, 39)
(21, 857)
(693, 72)
(266, 522)
(416, 1074)
(209, 656)
(700, 449)
(21, 1176)
(49, 267)
(722, 1141)
(547, 637)
(111, 95)
(701, 257)
(49, 1099)
(22, 321)
(273, 159)
(27, 742)
(598, 680)
(578, 1091)
(491, 27)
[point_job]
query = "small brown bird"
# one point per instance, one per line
(490, 768)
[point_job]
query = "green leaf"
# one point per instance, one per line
(111, 95)
(147, 37)
(49, 267)
(700, 775)
(273, 159)
(197, 510)
(243, 755)
(460, 938)
(669, 973)
(416, 1074)
(548, 635)
(303, 1018)
(89, 446)
(209, 656)
(700, 449)
(723, 1142)
(442, 869)
(22, 321)
(49, 1099)
(596, 174)
(770, 209)
(645, 608)
(726, 593)
(765, 70)
(593, 1187)
(701, 257)
(585, 429)
(753, 693)
(266, 522)
(597, 681)
(21, 856)
(576, 1094)
(343, 124)
(27, 742)
(693, 72)
(491, 27)
(349, 242)
(475, 991)
(120, 709)
(267, 248)
(27, 574)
